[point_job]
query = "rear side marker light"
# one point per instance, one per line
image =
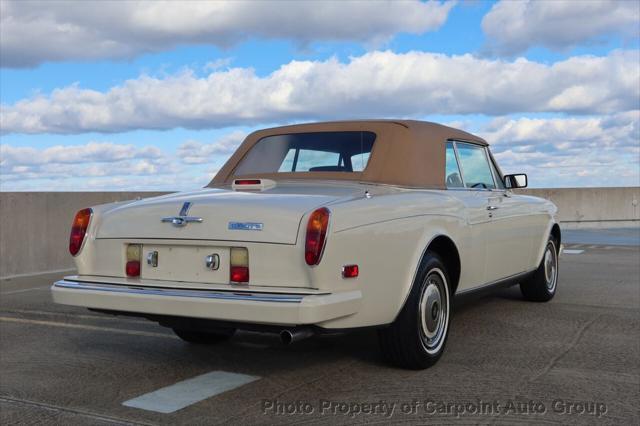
(350, 271)
(134, 252)
(239, 265)
(316, 236)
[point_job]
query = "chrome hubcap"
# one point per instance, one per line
(551, 267)
(434, 311)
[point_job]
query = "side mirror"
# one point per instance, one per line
(516, 181)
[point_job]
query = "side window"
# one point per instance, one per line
(287, 163)
(452, 172)
(475, 167)
(359, 161)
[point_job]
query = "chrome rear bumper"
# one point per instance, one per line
(232, 305)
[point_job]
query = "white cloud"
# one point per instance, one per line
(108, 166)
(619, 130)
(512, 27)
(37, 31)
(586, 151)
(554, 152)
(376, 84)
(218, 64)
(23, 167)
(104, 152)
(195, 152)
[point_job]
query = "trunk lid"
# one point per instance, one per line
(226, 214)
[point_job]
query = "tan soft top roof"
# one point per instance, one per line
(406, 152)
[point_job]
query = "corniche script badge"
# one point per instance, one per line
(245, 226)
(182, 219)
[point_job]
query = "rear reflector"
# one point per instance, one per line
(316, 236)
(239, 265)
(350, 271)
(79, 230)
(133, 268)
(239, 274)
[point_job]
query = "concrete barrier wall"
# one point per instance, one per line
(34, 226)
(593, 207)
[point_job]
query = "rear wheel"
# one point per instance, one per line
(541, 287)
(204, 337)
(417, 337)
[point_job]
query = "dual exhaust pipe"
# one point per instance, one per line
(289, 336)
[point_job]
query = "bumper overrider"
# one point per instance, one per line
(275, 308)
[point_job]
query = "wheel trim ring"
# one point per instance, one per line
(550, 264)
(434, 344)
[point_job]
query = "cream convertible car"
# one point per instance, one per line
(319, 228)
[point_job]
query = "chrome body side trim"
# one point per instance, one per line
(506, 282)
(203, 294)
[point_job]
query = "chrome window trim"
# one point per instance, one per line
(202, 294)
(455, 153)
(494, 170)
(493, 176)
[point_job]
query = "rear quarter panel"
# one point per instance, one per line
(544, 215)
(86, 261)
(386, 237)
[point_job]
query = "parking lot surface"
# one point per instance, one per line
(573, 360)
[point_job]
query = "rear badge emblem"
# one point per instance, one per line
(182, 219)
(245, 226)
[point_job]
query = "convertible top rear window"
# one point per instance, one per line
(346, 151)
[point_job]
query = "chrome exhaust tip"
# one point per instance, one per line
(290, 336)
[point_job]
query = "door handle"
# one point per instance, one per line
(492, 207)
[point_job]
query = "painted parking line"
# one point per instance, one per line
(565, 251)
(76, 316)
(182, 394)
(86, 327)
(24, 290)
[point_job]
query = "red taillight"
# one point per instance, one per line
(239, 274)
(79, 230)
(133, 268)
(350, 271)
(239, 265)
(316, 235)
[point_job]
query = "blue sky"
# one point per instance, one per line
(113, 95)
